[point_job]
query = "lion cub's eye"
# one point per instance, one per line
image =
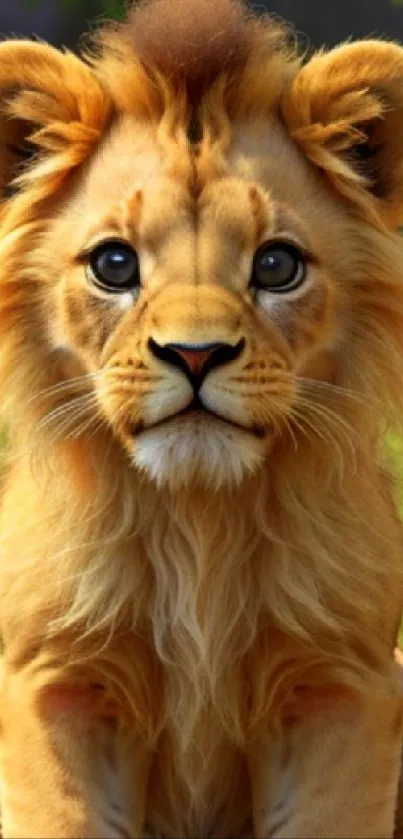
(278, 267)
(114, 266)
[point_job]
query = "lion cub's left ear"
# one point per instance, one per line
(50, 102)
(345, 109)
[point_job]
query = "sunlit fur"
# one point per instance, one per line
(202, 571)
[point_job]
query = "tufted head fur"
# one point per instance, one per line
(195, 135)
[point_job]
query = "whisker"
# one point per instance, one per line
(287, 421)
(86, 424)
(65, 417)
(326, 412)
(61, 387)
(336, 423)
(338, 391)
(325, 435)
(79, 403)
(119, 415)
(98, 426)
(69, 425)
(303, 418)
(335, 427)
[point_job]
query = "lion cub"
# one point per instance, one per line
(201, 338)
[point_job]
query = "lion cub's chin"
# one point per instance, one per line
(188, 451)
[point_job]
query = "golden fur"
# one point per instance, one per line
(199, 613)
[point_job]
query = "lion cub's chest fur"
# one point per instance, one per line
(205, 669)
(204, 791)
(195, 693)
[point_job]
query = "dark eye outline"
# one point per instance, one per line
(95, 276)
(301, 260)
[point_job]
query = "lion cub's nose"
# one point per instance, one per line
(196, 360)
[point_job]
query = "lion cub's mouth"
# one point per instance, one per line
(196, 410)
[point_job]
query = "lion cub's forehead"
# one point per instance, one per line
(129, 158)
(151, 188)
(149, 184)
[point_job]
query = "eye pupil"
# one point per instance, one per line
(278, 267)
(116, 258)
(270, 261)
(114, 266)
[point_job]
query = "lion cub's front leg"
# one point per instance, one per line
(331, 773)
(65, 769)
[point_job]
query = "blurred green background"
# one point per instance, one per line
(319, 21)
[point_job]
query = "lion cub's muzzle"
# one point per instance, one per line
(196, 360)
(199, 364)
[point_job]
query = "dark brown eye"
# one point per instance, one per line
(114, 266)
(278, 267)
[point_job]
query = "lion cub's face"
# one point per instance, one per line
(197, 291)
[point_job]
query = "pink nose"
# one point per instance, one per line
(194, 356)
(196, 360)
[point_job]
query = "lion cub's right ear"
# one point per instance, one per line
(49, 100)
(345, 110)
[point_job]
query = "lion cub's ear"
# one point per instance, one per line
(49, 100)
(345, 109)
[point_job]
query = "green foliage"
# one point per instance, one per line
(111, 8)
(114, 8)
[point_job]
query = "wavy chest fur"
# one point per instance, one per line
(202, 613)
(212, 593)
(204, 619)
